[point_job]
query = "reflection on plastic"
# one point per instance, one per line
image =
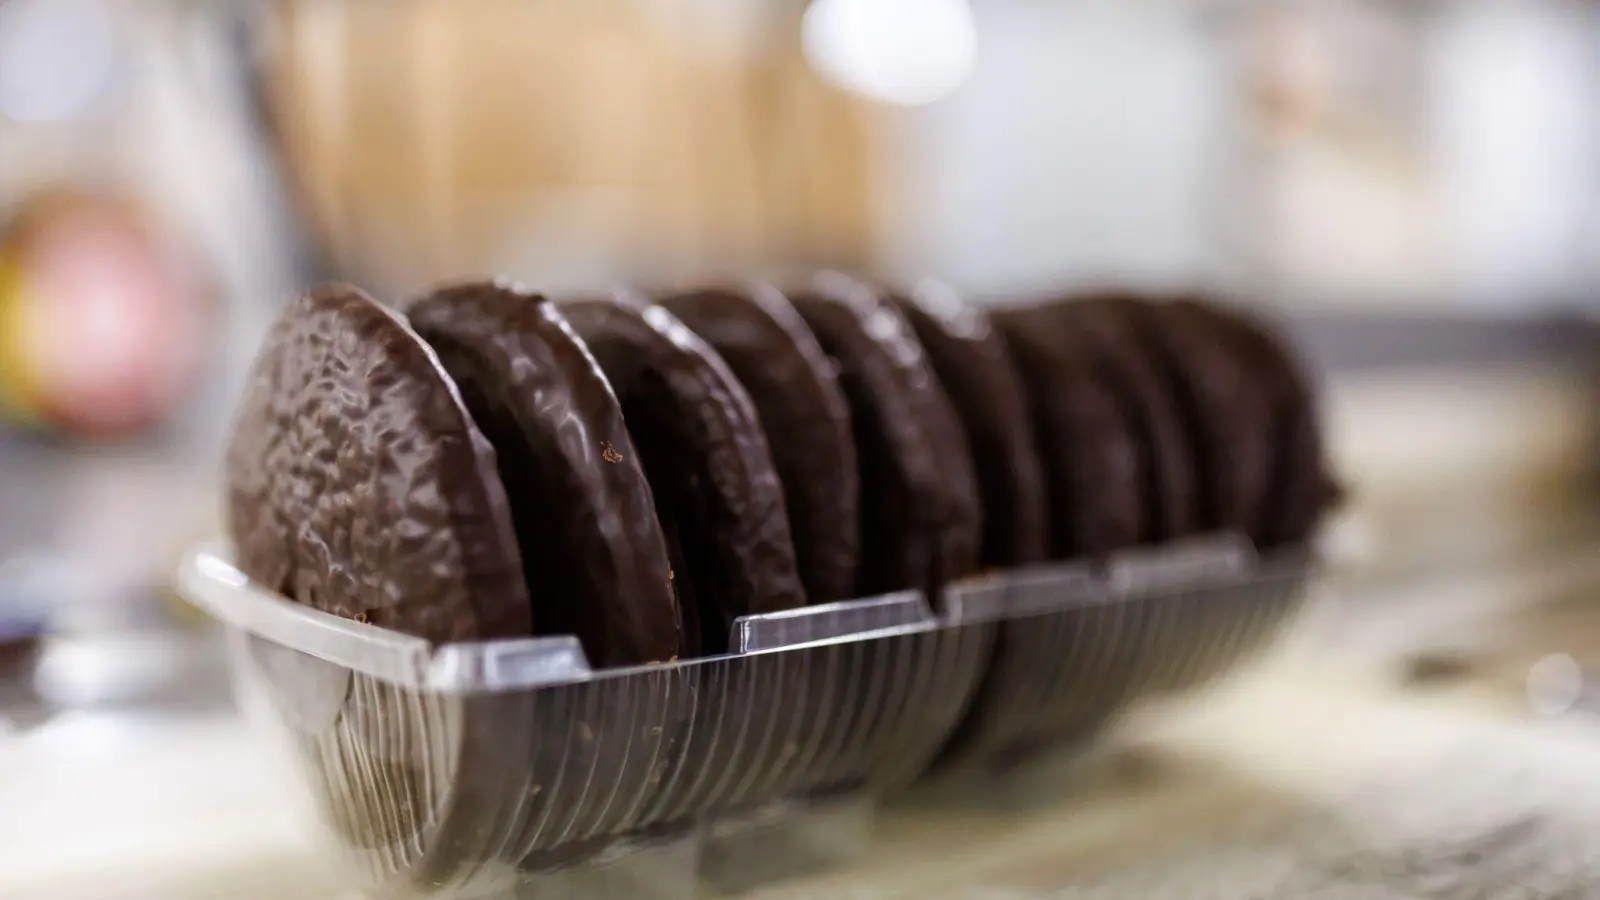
(479, 769)
(900, 612)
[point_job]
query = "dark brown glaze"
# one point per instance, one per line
(921, 523)
(796, 393)
(1130, 360)
(591, 546)
(358, 484)
(970, 358)
(1094, 466)
(1226, 410)
(1305, 490)
(1301, 487)
(717, 491)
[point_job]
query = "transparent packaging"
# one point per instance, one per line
(511, 769)
(1075, 646)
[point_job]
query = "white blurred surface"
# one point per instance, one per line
(1079, 149)
(108, 807)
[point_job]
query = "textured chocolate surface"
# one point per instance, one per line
(716, 489)
(970, 358)
(1131, 362)
(921, 524)
(803, 411)
(1094, 464)
(1227, 409)
(357, 483)
(591, 545)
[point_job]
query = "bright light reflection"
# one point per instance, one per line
(908, 52)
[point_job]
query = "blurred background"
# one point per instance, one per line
(1413, 188)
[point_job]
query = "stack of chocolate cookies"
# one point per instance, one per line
(484, 462)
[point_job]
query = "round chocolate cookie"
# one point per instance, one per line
(796, 392)
(1301, 488)
(921, 523)
(1130, 361)
(358, 484)
(717, 492)
(969, 355)
(1226, 408)
(1093, 462)
(591, 546)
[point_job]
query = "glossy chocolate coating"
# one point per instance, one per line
(803, 411)
(1226, 408)
(972, 363)
(591, 546)
(921, 523)
(1130, 360)
(717, 491)
(1094, 465)
(1301, 488)
(357, 483)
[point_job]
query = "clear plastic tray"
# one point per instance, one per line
(1075, 648)
(510, 768)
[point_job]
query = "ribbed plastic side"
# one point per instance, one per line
(1076, 647)
(465, 770)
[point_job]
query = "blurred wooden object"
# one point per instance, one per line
(566, 139)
